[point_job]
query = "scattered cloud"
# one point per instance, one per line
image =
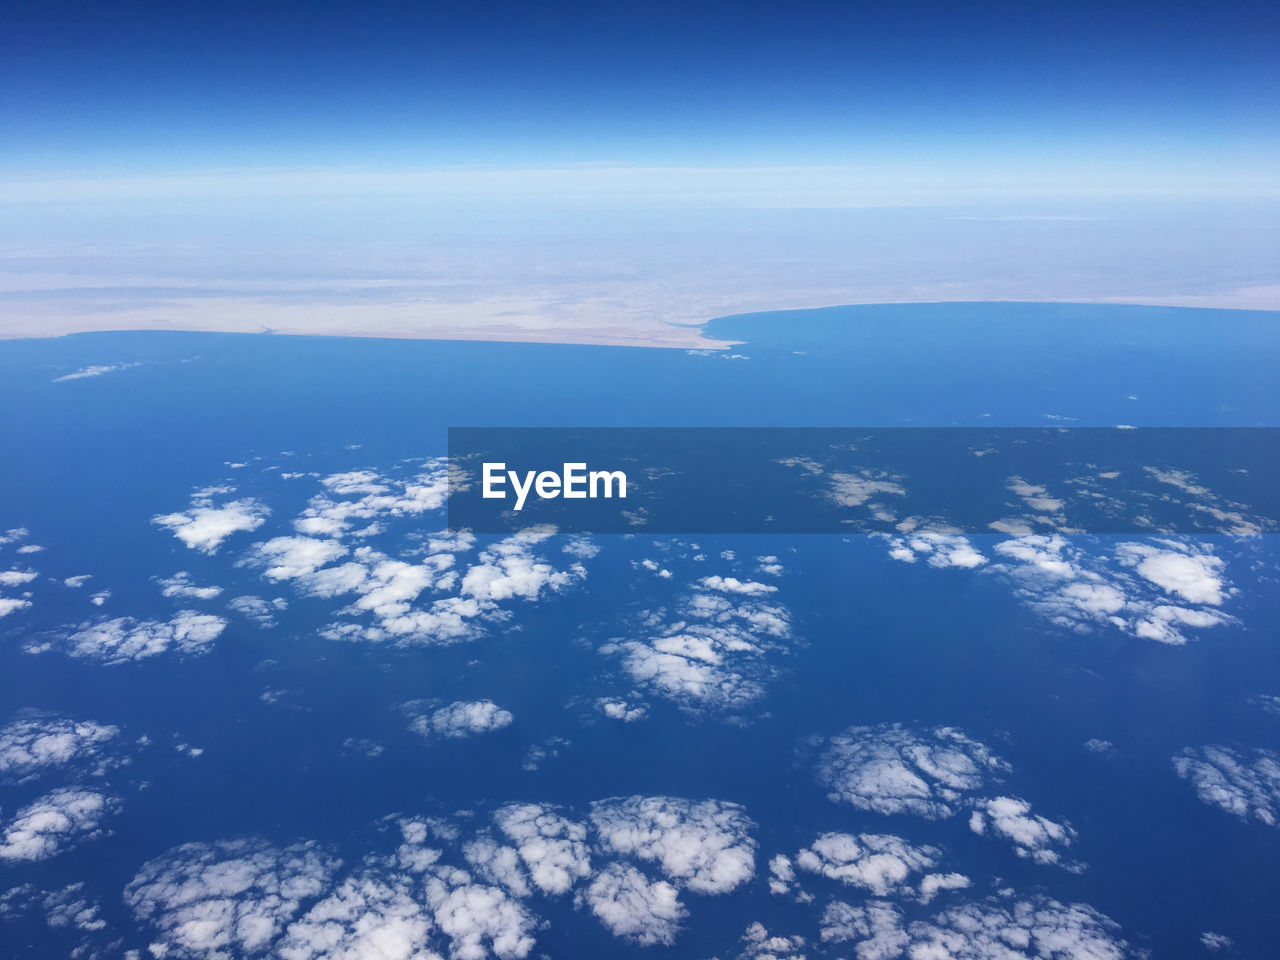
(204, 526)
(260, 611)
(890, 769)
(1000, 927)
(181, 586)
(1035, 837)
(618, 709)
(54, 823)
(124, 638)
(36, 744)
(463, 718)
(1244, 786)
(94, 371)
(634, 907)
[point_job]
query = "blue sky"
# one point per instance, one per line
(143, 88)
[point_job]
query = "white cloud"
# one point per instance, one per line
(124, 638)
(997, 928)
(617, 709)
(77, 581)
(203, 526)
(33, 745)
(260, 611)
(16, 578)
(463, 718)
(705, 846)
(1035, 837)
(365, 917)
(581, 547)
(375, 497)
(761, 946)
(770, 566)
(1175, 586)
(55, 822)
(552, 848)
(181, 585)
(10, 605)
(508, 569)
(1242, 786)
(96, 370)
(478, 919)
(889, 769)
(1193, 576)
(854, 490)
(287, 558)
(229, 898)
(631, 906)
(876, 927)
(939, 550)
(878, 863)
(749, 588)
(1216, 941)
(711, 657)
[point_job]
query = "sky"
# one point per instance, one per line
(596, 172)
(1108, 90)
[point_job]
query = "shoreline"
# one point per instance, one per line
(663, 335)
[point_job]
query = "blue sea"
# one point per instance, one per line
(256, 699)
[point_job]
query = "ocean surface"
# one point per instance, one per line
(256, 700)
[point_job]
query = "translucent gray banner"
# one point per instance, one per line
(851, 480)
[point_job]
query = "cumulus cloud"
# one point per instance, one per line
(66, 908)
(124, 638)
(260, 611)
(462, 718)
(365, 497)
(938, 549)
(1035, 837)
(228, 898)
(889, 769)
(204, 526)
(287, 558)
(34, 745)
(1157, 590)
(1244, 786)
(934, 774)
(366, 917)
(181, 585)
(508, 569)
(634, 907)
(1194, 576)
(552, 848)
(855, 489)
(710, 656)
(749, 588)
(705, 846)
(54, 823)
(760, 945)
(770, 566)
(878, 863)
(1001, 927)
(10, 605)
(16, 578)
(618, 709)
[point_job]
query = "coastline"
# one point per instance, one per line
(475, 323)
